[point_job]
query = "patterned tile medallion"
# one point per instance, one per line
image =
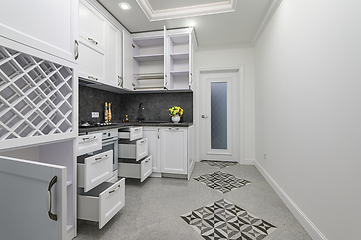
(225, 220)
(221, 181)
(219, 164)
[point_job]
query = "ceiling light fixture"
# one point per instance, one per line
(192, 24)
(124, 6)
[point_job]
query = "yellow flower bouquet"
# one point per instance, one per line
(175, 111)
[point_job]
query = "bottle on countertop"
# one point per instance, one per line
(109, 112)
(106, 113)
(126, 119)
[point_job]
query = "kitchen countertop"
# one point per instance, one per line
(136, 124)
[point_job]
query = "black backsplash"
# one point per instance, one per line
(156, 105)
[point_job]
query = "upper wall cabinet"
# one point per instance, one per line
(163, 59)
(93, 40)
(48, 26)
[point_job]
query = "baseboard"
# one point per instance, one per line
(249, 161)
(310, 228)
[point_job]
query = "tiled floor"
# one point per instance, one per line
(153, 209)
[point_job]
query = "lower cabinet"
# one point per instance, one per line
(102, 202)
(171, 148)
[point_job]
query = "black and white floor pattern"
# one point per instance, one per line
(221, 181)
(219, 164)
(225, 220)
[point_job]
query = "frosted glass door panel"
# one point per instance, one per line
(219, 115)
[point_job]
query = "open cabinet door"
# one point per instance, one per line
(33, 200)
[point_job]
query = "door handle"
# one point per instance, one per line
(51, 184)
(204, 116)
(76, 50)
(114, 189)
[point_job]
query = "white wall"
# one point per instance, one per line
(231, 56)
(308, 112)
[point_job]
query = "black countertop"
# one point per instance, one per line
(136, 124)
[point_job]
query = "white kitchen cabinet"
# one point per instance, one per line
(115, 57)
(25, 177)
(127, 61)
(102, 202)
(48, 26)
(131, 133)
(93, 44)
(137, 149)
(153, 135)
(181, 45)
(89, 143)
(174, 150)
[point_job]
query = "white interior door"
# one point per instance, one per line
(25, 200)
(220, 116)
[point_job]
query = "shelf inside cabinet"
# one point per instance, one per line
(179, 56)
(180, 73)
(149, 76)
(154, 57)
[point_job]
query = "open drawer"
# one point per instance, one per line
(137, 149)
(131, 133)
(102, 203)
(94, 169)
(89, 143)
(135, 169)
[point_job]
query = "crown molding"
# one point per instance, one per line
(267, 16)
(184, 12)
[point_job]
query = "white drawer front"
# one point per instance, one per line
(102, 203)
(131, 133)
(135, 150)
(95, 170)
(139, 170)
(89, 143)
(146, 168)
(111, 201)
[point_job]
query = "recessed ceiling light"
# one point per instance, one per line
(124, 6)
(192, 24)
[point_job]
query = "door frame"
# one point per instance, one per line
(241, 103)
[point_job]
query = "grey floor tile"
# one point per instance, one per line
(153, 208)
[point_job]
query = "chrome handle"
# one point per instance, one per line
(204, 116)
(89, 138)
(51, 184)
(100, 158)
(174, 129)
(93, 41)
(114, 189)
(76, 50)
(133, 45)
(158, 133)
(91, 77)
(136, 129)
(143, 141)
(146, 161)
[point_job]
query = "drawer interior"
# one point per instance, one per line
(125, 141)
(97, 190)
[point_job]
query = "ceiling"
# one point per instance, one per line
(217, 22)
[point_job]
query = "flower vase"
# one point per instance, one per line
(176, 118)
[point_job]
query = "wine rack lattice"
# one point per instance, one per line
(35, 96)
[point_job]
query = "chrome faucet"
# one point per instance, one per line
(141, 113)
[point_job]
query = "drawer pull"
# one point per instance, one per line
(49, 202)
(174, 129)
(100, 158)
(136, 129)
(91, 77)
(89, 138)
(114, 189)
(93, 41)
(143, 141)
(146, 161)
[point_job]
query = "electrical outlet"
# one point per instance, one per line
(95, 114)
(264, 155)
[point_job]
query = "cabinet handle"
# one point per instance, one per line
(91, 77)
(120, 83)
(133, 45)
(146, 161)
(76, 50)
(110, 192)
(136, 129)
(143, 141)
(158, 133)
(93, 41)
(174, 129)
(89, 138)
(51, 184)
(100, 158)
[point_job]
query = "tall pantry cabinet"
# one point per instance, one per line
(38, 118)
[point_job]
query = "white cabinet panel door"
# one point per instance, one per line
(25, 200)
(174, 150)
(127, 61)
(115, 57)
(49, 26)
(153, 135)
